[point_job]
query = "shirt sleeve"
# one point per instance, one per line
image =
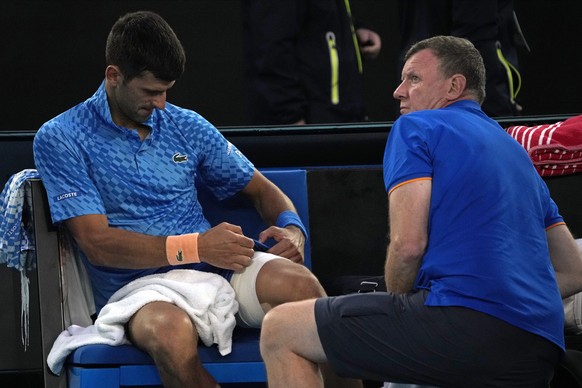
(553, 216)
(407, 154)
(70, 190)
(224, 169)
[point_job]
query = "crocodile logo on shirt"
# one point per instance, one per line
(179, 158)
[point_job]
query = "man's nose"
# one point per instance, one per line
(399, 92)
(160, 101)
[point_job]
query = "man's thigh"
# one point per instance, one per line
(245, 284)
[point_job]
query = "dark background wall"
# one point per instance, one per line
(51, 56)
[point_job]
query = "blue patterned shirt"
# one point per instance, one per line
(90, 165)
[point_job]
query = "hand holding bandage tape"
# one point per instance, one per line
(183, 249)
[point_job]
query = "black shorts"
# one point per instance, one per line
(387, 337)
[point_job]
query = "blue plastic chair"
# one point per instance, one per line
(103, 366)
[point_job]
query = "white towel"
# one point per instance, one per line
(208, 299)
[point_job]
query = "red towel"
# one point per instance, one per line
(555, 149)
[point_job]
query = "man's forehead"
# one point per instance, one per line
(148, 81)
(422, 58)
(423, 61)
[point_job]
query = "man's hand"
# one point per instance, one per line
(225, 246)
(290, 242)
(369, 41)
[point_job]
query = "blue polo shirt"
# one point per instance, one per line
(90, 165)
(489, 210)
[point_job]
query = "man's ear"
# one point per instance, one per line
(113, 75)
(457, 86)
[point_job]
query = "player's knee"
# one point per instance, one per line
(163, 333)
(285, 281)
(307, 286)
(173, 332)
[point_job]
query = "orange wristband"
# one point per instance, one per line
(182, 249)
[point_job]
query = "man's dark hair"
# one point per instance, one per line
(457, 56)
(143, 41)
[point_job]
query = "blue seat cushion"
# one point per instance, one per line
(245, 348)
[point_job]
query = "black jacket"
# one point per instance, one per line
(490, 25)
(302, 62)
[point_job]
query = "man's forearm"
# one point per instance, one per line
(566, 257)
(118, 248)
(400, 271)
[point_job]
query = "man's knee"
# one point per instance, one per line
(307, 286)
(287, 282)
(285, 324)
(273, 322)
(159, 325)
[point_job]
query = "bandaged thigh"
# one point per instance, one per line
(250, 312)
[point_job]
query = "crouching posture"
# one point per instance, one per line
(478, 262)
